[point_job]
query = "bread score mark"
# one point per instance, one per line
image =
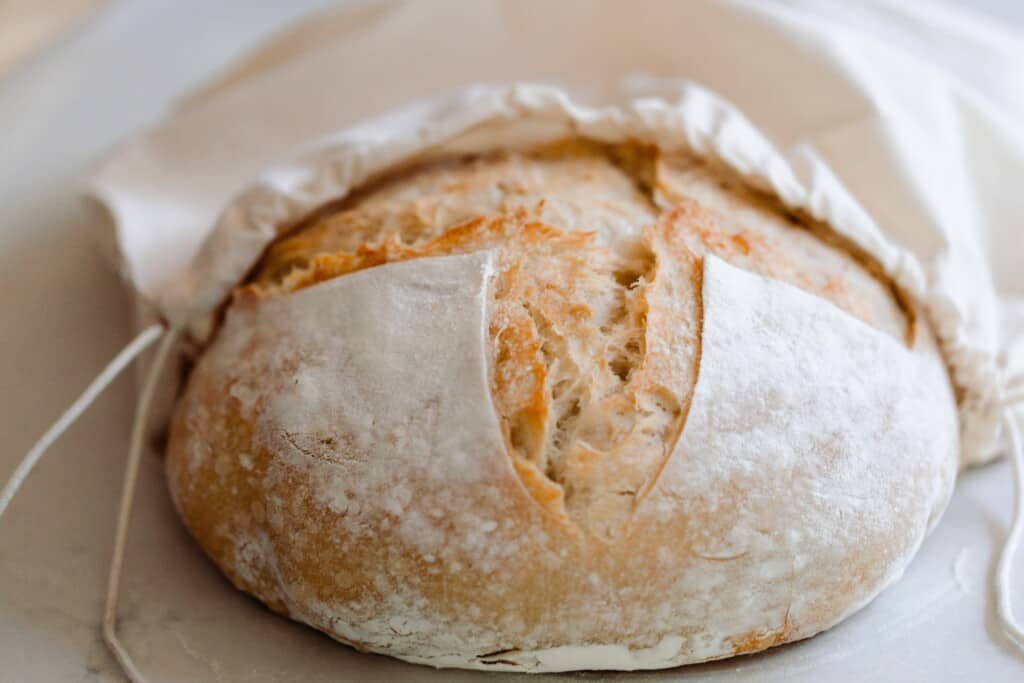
(594, 346)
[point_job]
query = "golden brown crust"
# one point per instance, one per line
(755, 231)
(589, 379)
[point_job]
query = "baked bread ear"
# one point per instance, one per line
(578, 407)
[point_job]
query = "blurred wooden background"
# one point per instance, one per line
(28, 25)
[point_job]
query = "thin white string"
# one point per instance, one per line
(124, 513)
(1004, 579)
(108, 375)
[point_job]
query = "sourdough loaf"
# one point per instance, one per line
(573, 407)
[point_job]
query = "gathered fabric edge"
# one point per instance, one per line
(676, 115)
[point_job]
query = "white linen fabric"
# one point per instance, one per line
(906, 105)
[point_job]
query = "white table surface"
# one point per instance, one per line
(63, 314)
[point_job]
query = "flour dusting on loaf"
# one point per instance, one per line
(449, 417)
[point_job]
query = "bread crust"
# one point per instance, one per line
(579, 539)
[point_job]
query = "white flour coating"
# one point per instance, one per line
(808, 411)
(392, 358)
(482, 118)
(815, 455)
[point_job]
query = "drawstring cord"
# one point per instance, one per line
(113, 369)
(125, 511)
(102, 381)
(1012, 629)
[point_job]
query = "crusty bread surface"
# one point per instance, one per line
(593, 336)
